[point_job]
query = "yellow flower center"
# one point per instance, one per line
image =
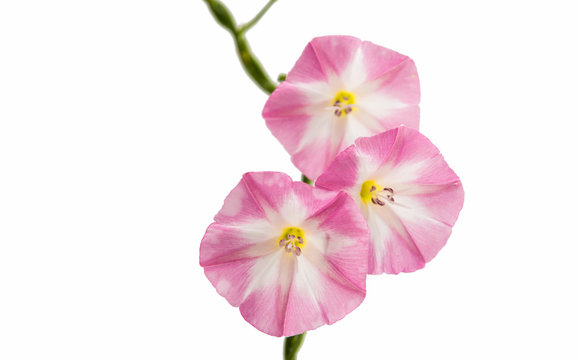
(293, 240)
(343, 104)
(375, 193)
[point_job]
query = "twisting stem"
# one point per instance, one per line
(257, 17)
(250, 63)
(292, 346)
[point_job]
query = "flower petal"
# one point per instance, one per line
(393, 250)
(411, 159)
(425, 232)
(391, 72)
(318, 297)
(342, 174)
(387, 111)
(312, 158)
(268, 189)
(327, 54)
(266, 299)
(340, 233)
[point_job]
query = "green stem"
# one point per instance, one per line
(250, 63)
(257, 17)
(222, 15)
(252, 66)
(306, 180)
(292, 346)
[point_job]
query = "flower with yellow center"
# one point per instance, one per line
(291, 256)
(292, 240)
(341, 88)
(405, 190)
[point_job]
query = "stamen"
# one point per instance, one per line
(369, 192)
(292, 240)
(343, 104)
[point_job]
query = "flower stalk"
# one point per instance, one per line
(292, 346)
(257, 17)
(249, 61)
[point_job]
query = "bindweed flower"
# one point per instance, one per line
(406, 191)
(290, 256)
(341, 88)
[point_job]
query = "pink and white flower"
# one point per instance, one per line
(406, 191)
(341, 88)
(290, 256)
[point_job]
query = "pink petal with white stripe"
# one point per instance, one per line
(340, 89)
(329, 55)
(406, 191)
(290, 256)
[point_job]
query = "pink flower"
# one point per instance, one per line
(341, 88)
(291, 256)
(406, 191)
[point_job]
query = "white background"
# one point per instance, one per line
(124, 124)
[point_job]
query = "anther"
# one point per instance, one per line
(378, 197)
(292, 241)
(343, 104)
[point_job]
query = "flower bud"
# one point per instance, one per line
(222, 15)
